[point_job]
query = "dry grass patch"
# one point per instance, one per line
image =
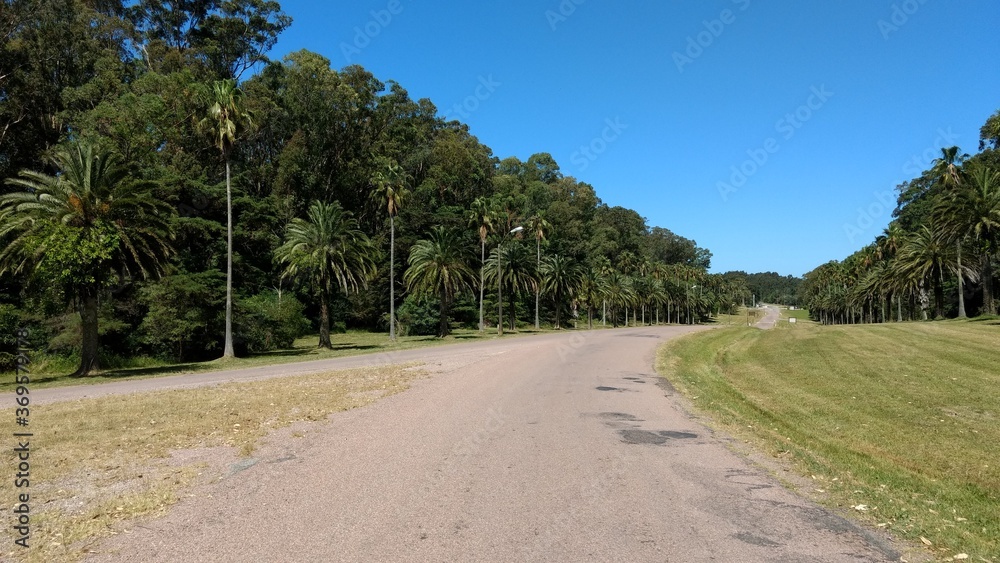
(97, 463)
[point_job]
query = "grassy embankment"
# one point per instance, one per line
(898, 423)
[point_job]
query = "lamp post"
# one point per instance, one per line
(500, 280)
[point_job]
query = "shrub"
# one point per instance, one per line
(264, 322)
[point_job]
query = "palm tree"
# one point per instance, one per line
(390, 187)
(973, 210)
(619, 292)
(950, 175)
(483, 216)
(516, 274)
(926, 255)
(561, 278)
(539, 227)
(227, 119)
(437, 266)
(327, 251)
(85, 226)
(592, 292)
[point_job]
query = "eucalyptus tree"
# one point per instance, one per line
(225, 120)
(438, 267)
(327, 251)
(390, 187)
(83, 229)
(561, 278)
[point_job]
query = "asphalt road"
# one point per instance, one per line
(563, 447)
(771, 317)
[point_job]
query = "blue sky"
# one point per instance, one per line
(771, 133)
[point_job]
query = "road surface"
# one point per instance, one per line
(771, 316)
(564, 447)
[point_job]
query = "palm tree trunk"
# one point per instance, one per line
(604, 312)
(324, 321)
(392, 280)
(899, 308)
(482, 268)
(558, 311)
(939, 295)
(988, 306)
(228, 351)
(443, 310)
(88, 327)
(538, 265)
(961, 286)
(513, 311)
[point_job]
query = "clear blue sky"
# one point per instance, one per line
(892, 93)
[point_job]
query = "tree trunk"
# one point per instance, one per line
(961, 285)
(228, 351)
(443, 322)
(513, 311)
(558, 314)
(482, 268)
(939, 295)
(899, 308)
(324, 321)
(538, 286)
(988, 305)
(604, 312)
(392, 281)
(88, 328)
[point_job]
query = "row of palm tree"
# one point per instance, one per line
(908, 271)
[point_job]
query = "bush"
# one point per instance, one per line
(418, 316)
(264, 322)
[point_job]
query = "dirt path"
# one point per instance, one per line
(561, 448)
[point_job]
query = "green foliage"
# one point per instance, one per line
(419, 315)
(267, 322)
(185, 315)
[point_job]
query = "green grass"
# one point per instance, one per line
(52, 372)
(901, 418)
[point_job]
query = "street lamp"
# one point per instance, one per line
(500, 280)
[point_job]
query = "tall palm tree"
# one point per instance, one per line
(540, 228)
(390, 187)
(327, 251)
(619, 292)
(973, 210)
(438, 266)
(483, 216)
(516, 276)
(227, 118)
(85, 226)
(561, 278)
(592, 292)
(926, 255)
(950, 175)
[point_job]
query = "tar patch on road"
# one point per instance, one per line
(636, 436)
(619, 416)
(606, 388)
(751, 539)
